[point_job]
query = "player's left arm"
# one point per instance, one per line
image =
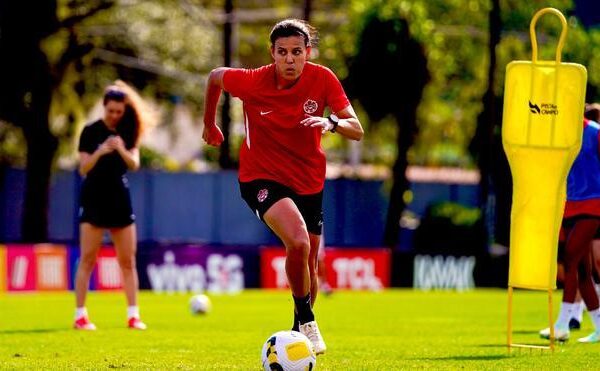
(348, 125)
(343, 120)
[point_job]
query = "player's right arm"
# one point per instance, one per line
(211, 134)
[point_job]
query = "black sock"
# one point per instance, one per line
(305, 313)
(296, 326)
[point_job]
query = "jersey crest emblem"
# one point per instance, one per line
(310, 106)
(262, 195)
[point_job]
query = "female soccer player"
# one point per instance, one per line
(282, 165)
(581, 222)
(107, 149)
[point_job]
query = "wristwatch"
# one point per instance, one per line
(334, 121)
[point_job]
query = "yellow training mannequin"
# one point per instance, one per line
(541, 134)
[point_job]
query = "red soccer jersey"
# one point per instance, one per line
(276, 147)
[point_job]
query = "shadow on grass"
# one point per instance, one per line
(526, 332)
(33, 331)
(499, 346)
(503, 346)
(491, 357)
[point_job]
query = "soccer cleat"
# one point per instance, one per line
(574, 324)
(311, 331)
(83, 323)
(560, 334)
(135, 323)
(594, 337)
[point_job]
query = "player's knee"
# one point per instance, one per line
(571, 267)
(87, 262)
(127, 263)
(298, 247)
(312, 269)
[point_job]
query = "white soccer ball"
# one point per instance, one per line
(288, 351)
(200, 304)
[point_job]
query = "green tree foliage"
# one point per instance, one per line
(163, 50)
(177, 42)
(28, 79)
(582, 46)
(73, 48)
(388, 46)
(454, 35)
(63, 54)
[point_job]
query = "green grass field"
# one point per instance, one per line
(389, 330)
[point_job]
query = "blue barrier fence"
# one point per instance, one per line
(189, 207)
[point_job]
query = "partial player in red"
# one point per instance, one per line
(592, 112)
(282, 164)
(581, 222)
(579, 306)
(108, 148)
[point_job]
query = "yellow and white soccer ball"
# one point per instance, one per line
(200, 304)
(288, 351)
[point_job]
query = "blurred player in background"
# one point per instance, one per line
(579, 306)
(592, 112)
(108, 148)
(282, 164)
(581, 222)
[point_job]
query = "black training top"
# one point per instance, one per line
(104, 199)
(110, 166)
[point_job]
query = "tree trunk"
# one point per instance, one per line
(397, 204)
(307, 10)
(225, 155)
(41, 147)
(501, 179)
(28, 81)
(400, 183)
(484, 145)
(486, 122)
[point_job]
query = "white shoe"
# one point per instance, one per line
(311, 331)
(135, 323)
(594, 337)
(83, 323)
(560, 334)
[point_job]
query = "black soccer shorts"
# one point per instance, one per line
(261, 194)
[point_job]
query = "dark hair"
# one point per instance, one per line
(130, 126)
(294, 27)
(592, 112)
(114, 95)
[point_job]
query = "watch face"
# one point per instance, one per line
(334, 118)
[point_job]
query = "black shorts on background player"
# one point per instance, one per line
(261, 194)
(104, 200)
